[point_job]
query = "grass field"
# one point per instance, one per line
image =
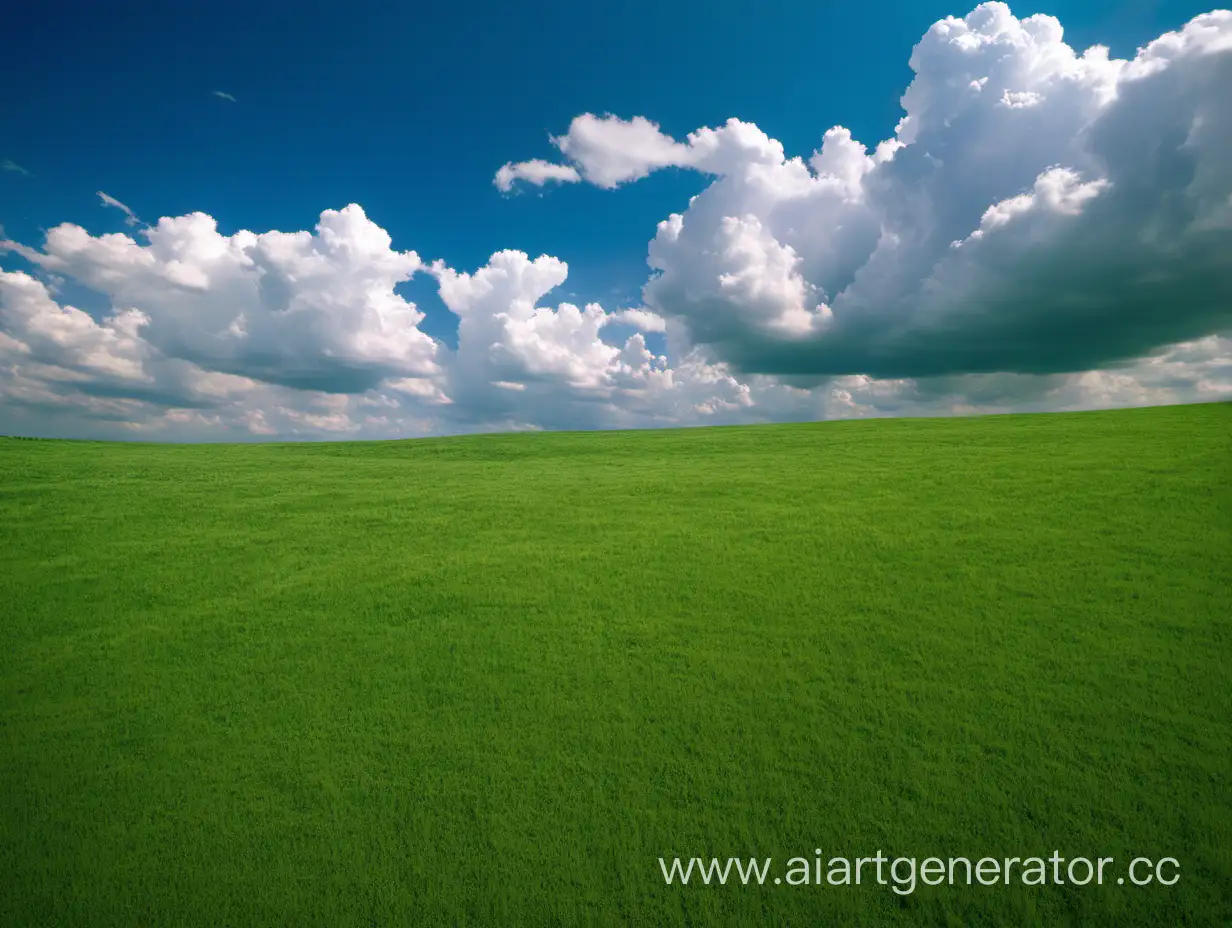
(492, 680)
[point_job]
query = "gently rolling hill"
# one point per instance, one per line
(492, 680)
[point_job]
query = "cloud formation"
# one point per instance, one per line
(536, 172)
(1034, 211)
(130, 218)
(311, 310)
(223, 95)
(14, 168)
(608, 151)
(641, 319)
(1045, 230)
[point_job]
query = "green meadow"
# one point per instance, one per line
(492, 680)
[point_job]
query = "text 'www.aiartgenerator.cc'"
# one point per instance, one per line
(904, 874)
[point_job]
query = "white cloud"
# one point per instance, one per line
(604, 150)
(1083, 193)
(310, 310)
(41, 331)
(505, 337)
(1058, 191)
(608, 151)
(535, 172)
(518, 365)
(14, 167)
(641, 319)
(222, 95)
(130, 218)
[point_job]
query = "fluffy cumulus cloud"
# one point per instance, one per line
(1045, 229)
(313, 310)
(1038, 211)
(519, 363)
(609, 151)
(302, 334)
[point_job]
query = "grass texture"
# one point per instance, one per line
(491, 680)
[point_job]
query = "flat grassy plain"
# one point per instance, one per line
(491, 680)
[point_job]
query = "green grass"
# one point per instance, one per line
(491, 680)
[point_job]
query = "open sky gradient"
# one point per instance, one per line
(238, 222)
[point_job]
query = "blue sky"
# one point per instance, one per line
(409, 111)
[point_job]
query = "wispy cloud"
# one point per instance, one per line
(15, 168)
(108, 200)
(223, 95)
(537, 172)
